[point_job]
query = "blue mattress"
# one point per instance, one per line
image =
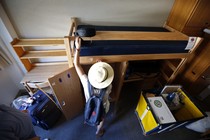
(128, 47)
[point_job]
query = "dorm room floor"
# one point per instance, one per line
(123, 125)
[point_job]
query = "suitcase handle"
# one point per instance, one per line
(47, 95)
(31, 86)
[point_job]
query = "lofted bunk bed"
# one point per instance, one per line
(123, 45)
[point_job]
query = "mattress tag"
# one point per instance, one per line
(191, 43)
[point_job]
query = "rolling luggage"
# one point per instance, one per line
(43, 111)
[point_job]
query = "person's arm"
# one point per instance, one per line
(77, 65)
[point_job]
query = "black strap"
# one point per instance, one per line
(102, 93)
(90, 89)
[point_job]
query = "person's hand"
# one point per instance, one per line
(78, 43)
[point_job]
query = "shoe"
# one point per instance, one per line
(100, 133)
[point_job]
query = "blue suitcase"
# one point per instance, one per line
(43, 111)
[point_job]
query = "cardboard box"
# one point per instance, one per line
(161, 110)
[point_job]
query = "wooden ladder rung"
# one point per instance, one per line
(39, 42)
(43, 54)
(168, 63)
(164, 75)
(50, 63)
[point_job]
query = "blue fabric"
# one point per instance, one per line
(43, 112)
(126, 47)
(124, 28)
(115, 47)
(94, 109)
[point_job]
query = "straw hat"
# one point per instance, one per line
(100, 75)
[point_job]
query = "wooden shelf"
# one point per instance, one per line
(40, 52)
(44, 54)
(38, 42)
(50, 63)
(42, 73)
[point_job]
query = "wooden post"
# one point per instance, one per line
(69, 52)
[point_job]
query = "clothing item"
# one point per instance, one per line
(14, 124)
(106, 103)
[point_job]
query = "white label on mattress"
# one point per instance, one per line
(191, 43)
(161, 110)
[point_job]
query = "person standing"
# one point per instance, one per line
(100, 76)
(15, 125)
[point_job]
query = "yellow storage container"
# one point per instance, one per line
(150, 120)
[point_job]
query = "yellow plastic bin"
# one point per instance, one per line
(153, 122)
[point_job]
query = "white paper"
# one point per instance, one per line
(191, 43)
(161, 110)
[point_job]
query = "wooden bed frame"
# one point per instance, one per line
(127, 35)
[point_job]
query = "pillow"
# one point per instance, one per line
(86, 32)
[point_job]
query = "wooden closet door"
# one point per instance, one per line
(67, 89)
(190, 16)
(180, 13)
